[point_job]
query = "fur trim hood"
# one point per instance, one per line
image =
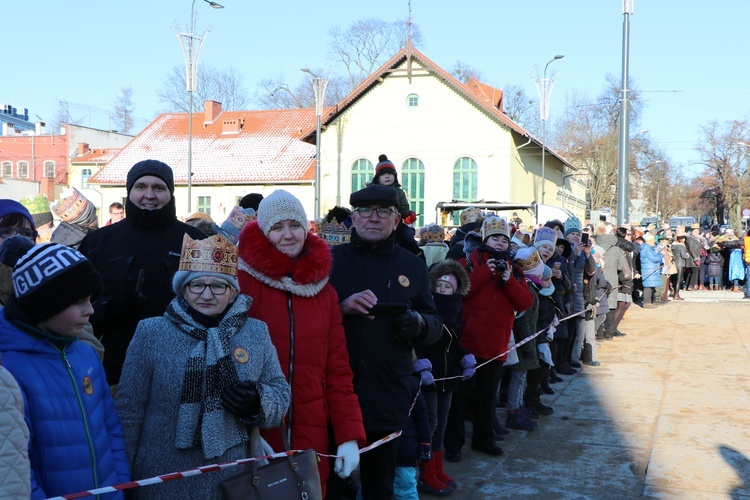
(448, 266)
(258, 257)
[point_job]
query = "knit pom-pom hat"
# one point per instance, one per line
(385, 166)
(278, 206)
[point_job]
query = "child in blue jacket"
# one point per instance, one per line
(76, 440)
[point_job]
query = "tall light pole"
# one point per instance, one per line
(739, 189)
(319, 87)
(623, 170)
(191, 54)
(544, 87)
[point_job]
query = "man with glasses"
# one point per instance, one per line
(15, 219)
(137, 259)
(371, 270)
(116, 213)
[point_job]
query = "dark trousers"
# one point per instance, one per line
(377, 467)
(482, 394)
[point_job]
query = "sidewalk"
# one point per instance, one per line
(666, 415)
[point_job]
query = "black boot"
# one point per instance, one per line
(546, 388)
(540, 407)
(586, 355)
(553, 378)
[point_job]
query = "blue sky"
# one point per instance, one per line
(684, 55)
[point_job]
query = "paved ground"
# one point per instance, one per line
(666, 415)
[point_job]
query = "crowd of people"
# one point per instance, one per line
(152, 345)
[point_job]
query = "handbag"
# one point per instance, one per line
(293, 476)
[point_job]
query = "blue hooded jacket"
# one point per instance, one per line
(651, 261)
(76, 440)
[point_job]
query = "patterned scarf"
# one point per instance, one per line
(201, 419)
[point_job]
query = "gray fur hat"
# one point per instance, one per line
(449, 266)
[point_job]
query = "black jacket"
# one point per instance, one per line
(381, 363)
(145, 240)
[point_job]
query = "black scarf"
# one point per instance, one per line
(150, 218)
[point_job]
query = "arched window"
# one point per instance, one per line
(23, 169)
(464, 182)
(412, 181)
(362, 172)
(85, 175)
(7, 169)
(412, 100)
(49, 169)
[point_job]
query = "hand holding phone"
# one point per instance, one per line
(585, 238)
(388, 309)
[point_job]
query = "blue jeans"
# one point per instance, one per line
(713, 280)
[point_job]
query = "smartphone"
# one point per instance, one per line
(585, 238)
(388, 309)
(556, 265)
(603, 218)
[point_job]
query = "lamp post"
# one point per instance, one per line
(739, 190)
(623, 169)
(319, 88)
(190, 53)
(544, 87)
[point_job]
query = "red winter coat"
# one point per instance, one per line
(489, 309)
(309, 339)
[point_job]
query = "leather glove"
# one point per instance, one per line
(242, 399)
(424, 452)
(124, 307)
(469, 364)
(551, 333)
(410, 218)
(424, 368)
(349, 453)
(410, 327)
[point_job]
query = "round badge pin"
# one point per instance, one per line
(241, 355)
(403, 281)
(88, 386)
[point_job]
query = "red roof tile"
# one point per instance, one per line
(97, 156)
(266, 149)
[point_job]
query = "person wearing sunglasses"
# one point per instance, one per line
(15, 219)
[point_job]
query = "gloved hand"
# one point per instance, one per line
(551, 333)
(424, 368)
(349, 453)
(469, 364)
(242, 399)
(125, 307)
(424, 452)
(410, 327)
(555, 321)
(410, 218)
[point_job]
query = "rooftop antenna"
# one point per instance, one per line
(408, 49)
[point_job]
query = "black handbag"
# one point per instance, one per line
(293, 476)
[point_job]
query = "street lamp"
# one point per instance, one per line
(739, 190)
(190, 53)
(319, 88)
(544, 87)
(623, 168)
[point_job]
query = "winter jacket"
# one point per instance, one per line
(614, 260)
(651, 261)
(490, 308)
(76, 439)
(562, 295)
(715, 264)
(680, 255)
(14, 451)
(694, 247)
(381, 363)
(146, 240)
(304, 320)
(576, 263)
(149, 396)
(736, 266)
(625, 275)
(524, 326)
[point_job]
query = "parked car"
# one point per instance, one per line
(681, 221)
(650, 220)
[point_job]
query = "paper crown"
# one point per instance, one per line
(471, 214)
(545, 236)
(529, 260)
(215, 254)
(494, 225)
(36, 205)
(433, 233)
(236, 220)
(71, 207)
(573, 224)
(334, 232)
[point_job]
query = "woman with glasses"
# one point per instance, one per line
(285, 270)
(15, 219)
(199, 382)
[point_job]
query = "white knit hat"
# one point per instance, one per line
(278, 206)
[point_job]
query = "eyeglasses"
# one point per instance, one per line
(9, 232)
(383, 212)
(197, 287)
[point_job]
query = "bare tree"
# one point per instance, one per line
(276, 93)
(520, 107)
(223, 85)
(123, 110)
(464, 72)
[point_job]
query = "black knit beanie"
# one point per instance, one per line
(151, 167)
(49, 277)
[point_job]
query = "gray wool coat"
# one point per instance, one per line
(148, 401)
(614, 260)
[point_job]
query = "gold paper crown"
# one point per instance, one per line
(533, 261)
(471, 214)
(494, 225)
(238, 217)
(432, 233)
(335, 233)
(72, 207)
(211, 255)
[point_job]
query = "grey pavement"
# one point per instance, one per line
(666, 415)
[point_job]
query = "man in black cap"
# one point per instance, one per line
(371, 270)
(137, 259)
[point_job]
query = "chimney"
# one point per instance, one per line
(211, 111)
(231, 126)
(40, 128)
(83, 148)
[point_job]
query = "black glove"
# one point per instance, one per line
(125, 307)
(410, 327)
(424, 452)
(242, 399)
